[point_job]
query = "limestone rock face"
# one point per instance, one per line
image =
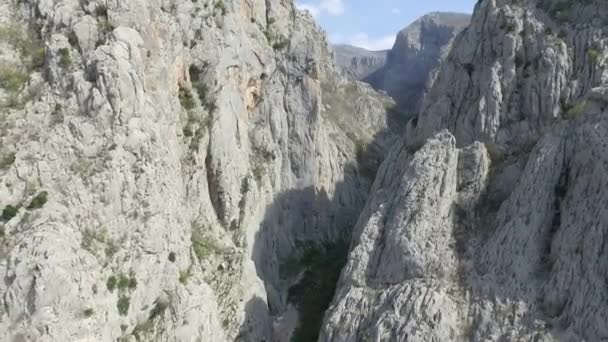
(418, 50)
(357, 63)
(159, 161)
(487, 221)
(516, 70)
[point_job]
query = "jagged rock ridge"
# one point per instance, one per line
(486, 222)
(418, 50)
(161, 161)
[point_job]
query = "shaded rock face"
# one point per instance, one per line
(487, 221)
(418, 50)
(160, 161)
(357, 63)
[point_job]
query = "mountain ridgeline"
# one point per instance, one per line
(407, 70)
(357, 63)
(204, 171)
(487, 221)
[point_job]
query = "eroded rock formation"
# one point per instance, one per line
(160, 161)
(487, 221)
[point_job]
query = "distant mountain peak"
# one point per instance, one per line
(404, 71)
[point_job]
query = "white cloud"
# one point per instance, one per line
(363, 40)
(396, 11)
(331, 7)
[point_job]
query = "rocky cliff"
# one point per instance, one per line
(417, 52)
(357, 63)
(487, 221)
(160, 163)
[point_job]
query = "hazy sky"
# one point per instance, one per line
(372, 24)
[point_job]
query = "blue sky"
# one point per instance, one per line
(372, 24)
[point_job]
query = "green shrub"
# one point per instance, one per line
(594, 54)
(111, 283)
(88, 312)
(172, 256)
(38, 57)
(123, 305)
(73, 39)
(141, 330)
(35, 54)
(9, 212)
(186, 99)
(188, 131)
(199, 85)
(65, 60)
(101, 11)
(220, 6)
(12, 79)
(202, 245)
(38, 201)
(264, 153)
(184, 276)
(244, 186)
(203, 93)
(126, 282)
(123, 282)
(280, 44)
(10, 34)
(7, 160)
(30, 46)
(89, 238)
(573, 112)
(111, 248)
(159, 309)
(258, 172)
(105, 28)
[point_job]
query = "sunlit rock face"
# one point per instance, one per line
(159, 161)
(486, 222)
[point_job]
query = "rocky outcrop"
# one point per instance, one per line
(161, 161)
(357, 63)
(418, 50)
(486, 221)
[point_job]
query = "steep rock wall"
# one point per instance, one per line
(150, 151)
(505, 243)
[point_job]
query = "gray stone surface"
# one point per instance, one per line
(357, 63)
(159, 162)
(418, 50)
(183, 148)
(486, 221)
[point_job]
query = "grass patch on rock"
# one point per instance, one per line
(12, 79)
(202, 245)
